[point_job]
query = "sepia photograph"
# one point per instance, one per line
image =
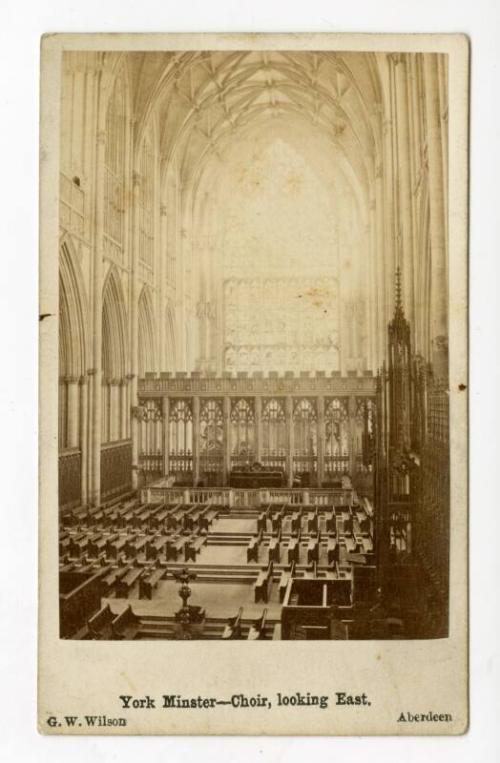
(253, 406)
(253, 345)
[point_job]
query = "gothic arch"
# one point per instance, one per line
(147, 334)
(114, 328)
(73, 313)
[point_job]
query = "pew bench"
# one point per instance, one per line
(253, 550)
(148, 583)
(286, 576)
(233, 626)
(99, 625)
(295, 523)
(313, 550)
(135, 547)
(332, 550)
(274, 550)
(125, 625)
(263, 584)
(293, 550)
(192, 548)
(109, 581)
(155, 547)
(113, 548)
(313, 522)
(258, 627)
(173, 548)
(127, 582)
(206, 518)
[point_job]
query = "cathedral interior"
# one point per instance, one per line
(253, 346)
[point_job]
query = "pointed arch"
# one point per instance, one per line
(147, 334)
(73, 312)
(114, 328)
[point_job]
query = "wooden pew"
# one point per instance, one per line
(99, 545)
(262, 522)
(285, 579)
(174, 517)
(193, 547)
(258, 627)
(127, 582)
(125, 625)
(274, 549)
(191, 518)
(277, 519)
(294, 548)
(233, 627)
(173, 547)
(115, 547)
(313, 522)
(78, 546)
(206, 519)
(332, 550)
(155, 547)
(149, 582)
(331, 522)
(313, 549)
(136, 546)
(158, 517)
(263, 584)
(295, 525)
(253, 548)
(99, 625)
(109, 581)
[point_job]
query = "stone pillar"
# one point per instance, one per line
(162, 263)
(166, 434)
(124, 412)
(289, 438)
(258, 427)
(438, 214)
(321, 439)
(226, 410)
(134, 325)
(352, 435)
(114, 414)
(405, 209)
(95, 435)
(83, 437)
(72, 398)
(196, 440)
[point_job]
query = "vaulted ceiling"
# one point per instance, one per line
(204, 101)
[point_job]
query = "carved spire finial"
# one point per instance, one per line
(398, 304)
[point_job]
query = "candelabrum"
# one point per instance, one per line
(183, 616)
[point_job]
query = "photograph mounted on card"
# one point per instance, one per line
(253, 363)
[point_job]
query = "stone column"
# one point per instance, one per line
(72, 411)
(352, 435)
(226, 403)
(114, 414)
(166, 434)
(95, 435)
(83, 437)
(439, 275)
(134, 325)
(405, 209)
(258, 427)
(124, 412)
(321, 439)
(289, 438)
(196, 440)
